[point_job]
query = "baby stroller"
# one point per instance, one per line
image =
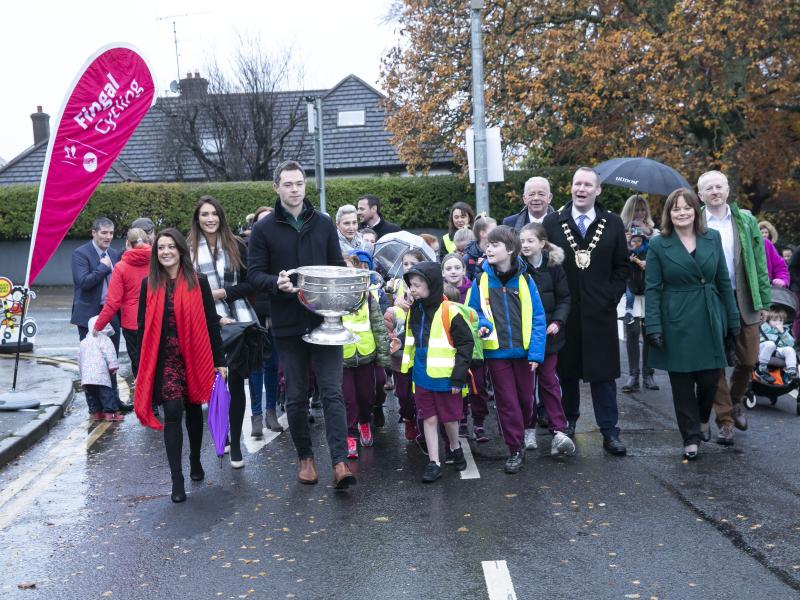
(785, 299)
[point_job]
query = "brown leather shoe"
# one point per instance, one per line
(342, 477)
(308, 471)
(739, 417)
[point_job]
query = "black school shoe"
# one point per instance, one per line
(455, 458)
(378, 418)
(514, 463)
(431, 473)
(614, 446)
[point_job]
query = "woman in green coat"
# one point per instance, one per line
(689, 312)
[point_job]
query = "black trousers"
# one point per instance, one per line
(132, 344)
(236, 412)
(173, 434)
(296, 356)
(693, 396)
(604, 401)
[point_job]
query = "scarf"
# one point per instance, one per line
(193, 340)
(221, 275)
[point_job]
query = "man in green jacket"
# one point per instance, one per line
(747, 268)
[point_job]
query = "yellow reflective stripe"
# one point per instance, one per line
(526, 311)
(490, 342)
(449, 244)
(359, 324)
(439, 343)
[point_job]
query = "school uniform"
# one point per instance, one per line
(510, 303)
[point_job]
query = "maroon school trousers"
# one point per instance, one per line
(546, 382)
(405, 397)
(478, 402)
(513, 397)
(358, 389)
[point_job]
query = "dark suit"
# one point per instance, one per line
(88, 275)
(591, 351)
(518, 220)
(382, 228)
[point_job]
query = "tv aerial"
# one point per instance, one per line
(175, 86)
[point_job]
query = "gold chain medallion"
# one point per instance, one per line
(583, 258)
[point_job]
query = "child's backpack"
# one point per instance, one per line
(470, 315)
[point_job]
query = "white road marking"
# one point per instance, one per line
(253, 445)
(18, 496)
(498, 580)
(620, 330)
(471, 472)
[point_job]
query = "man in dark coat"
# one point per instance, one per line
(369, 215)
(296, 235)
(537, 198)
(597, 267)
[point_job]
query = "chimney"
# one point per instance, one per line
(41, 125)
(193, 87)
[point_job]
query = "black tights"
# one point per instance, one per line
(173, 434)
(236, 412)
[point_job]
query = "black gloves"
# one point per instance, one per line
(656, 340)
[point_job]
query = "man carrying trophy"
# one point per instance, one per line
(297, 235)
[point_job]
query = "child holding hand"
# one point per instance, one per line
(97, 361)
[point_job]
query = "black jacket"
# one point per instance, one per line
(551, 281)
(518, 220)
(473, 257)
(275, 246)
(591, 351)
(460, 332)
(212, 321)
(382, 228)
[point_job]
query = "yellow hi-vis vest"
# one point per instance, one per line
(359, 323)
(449, 244)
(526, 310)
(441, 354)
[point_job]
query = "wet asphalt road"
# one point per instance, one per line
(98, 523)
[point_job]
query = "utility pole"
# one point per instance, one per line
(479, 110)
(314, 106)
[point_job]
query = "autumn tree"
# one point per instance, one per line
(237, 125)
(697, 84)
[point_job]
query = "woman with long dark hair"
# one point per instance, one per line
(461, 217)
(690, 312)
(222, 257)
(179, 350)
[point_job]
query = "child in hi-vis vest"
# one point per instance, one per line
(439, 360)
(358, 374)
(514, 340)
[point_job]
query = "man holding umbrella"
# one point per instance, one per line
(597, 267)
(296, 235)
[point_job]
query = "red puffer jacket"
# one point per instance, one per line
(123, 289)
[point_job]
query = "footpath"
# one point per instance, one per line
(42, 379)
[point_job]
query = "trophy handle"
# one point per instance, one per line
(291, 272)
(376, 286)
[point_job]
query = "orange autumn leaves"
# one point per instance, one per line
(694, 83)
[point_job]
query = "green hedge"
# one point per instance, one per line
(413, 202)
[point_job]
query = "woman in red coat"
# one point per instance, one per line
(180, 350)
(123, 291)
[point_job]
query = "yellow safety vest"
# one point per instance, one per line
(491, 342)
(359, 324)
(441, 354)
(449, 244)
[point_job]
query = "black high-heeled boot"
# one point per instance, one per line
(178, 492)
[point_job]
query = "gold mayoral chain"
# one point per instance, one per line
(583, 258)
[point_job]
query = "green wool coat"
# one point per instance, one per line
(689, 301)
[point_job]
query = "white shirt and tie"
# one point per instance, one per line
(724, 226)
(584, 220)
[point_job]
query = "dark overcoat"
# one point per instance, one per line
(689, 301)
(591, 351)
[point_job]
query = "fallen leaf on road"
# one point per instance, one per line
(463, 529)
(26, 586)
(381, 519)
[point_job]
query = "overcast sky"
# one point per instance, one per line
(44, 43)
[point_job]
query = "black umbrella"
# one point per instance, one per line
(642, 175)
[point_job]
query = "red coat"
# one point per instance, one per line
(123, 289)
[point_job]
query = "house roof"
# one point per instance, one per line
(359, 149)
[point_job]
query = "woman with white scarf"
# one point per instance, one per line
(347, 227)
(222, 257)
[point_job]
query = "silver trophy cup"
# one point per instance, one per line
(333, 292)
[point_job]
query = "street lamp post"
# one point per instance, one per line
(314, 106)
(479, 111)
